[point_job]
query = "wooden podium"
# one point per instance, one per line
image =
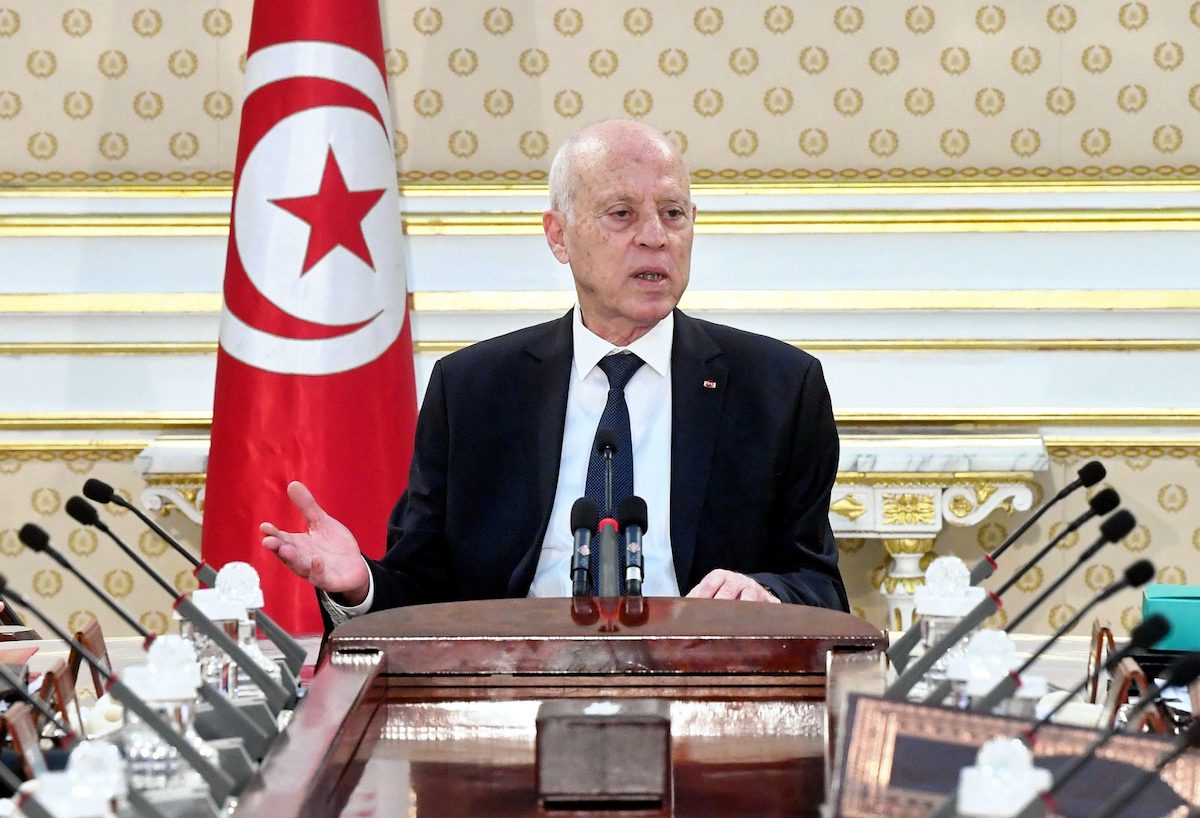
(429, 710)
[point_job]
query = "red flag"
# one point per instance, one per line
(314, 370)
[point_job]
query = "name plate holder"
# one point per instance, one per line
(902, 759)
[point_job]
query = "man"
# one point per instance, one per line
(732, 434)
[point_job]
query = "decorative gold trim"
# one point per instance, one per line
(940, 479)
(831, 300)
(115, 224)
(111, 303)
(956, 419)
(786, 222)
(1140, 442)
(46, 451)
(732, 188)
(972, 418)
(62, 421)
(74, 348)
(934, 345)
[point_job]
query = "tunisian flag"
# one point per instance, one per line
(314, 370)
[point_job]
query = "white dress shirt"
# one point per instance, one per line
(648, 395)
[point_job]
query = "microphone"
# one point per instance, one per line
(293, 652)
(1104, 501)
(1101, 504)
(609, 562)
(36, 539)
(1136, 576)
(1111, 530)
(584, 514)
(39, 704)
(1153, 629)
(1181, 673)
(1188, 739)
(1090, 474)
(82, 511)
(632, 516)
(220, 785)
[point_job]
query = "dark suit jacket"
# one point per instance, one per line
(752, 464)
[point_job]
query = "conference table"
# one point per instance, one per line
(430, 710)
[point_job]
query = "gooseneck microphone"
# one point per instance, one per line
(1111, 530)
(1136, 576)
(991, 603)
(1089, 475)
(220, 784)
(293, 652)
(277, 697)
(36, 539)
(632, 516)
(1151, 631)
(1129, 790)
(609, 563)
(1104, 501)
(584, 516)
(1180, 673)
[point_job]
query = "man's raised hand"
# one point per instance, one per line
(327, 555)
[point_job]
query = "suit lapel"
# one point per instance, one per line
(544, 379)
(698, 382)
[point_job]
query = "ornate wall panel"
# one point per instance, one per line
(102, 90)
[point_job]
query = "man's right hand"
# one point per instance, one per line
(327, 555)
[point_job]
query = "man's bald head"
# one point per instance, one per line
(590, 144)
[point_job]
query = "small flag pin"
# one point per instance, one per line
(710, 384)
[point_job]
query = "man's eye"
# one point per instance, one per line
(620, 214)
(675, 213)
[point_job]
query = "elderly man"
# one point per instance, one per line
(728, 436)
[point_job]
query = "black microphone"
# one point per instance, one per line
(912, 673)
(1112, 529)
(277, 696)
(219, 784)
(1104, 501)
(1136, 576)
(1129, 790)
(293, 652)
(36, 539)
(1089, 475)
(584, 516)
(633, 517)
(1146, 635)
(609, 562)
(1182, 672)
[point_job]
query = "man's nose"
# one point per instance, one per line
(651, 232)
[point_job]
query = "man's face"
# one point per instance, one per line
(629, 241)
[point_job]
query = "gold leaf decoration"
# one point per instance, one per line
(638, 21)
(534, 62)
(534, 144)
(10, 104)
(1133, 16)
(1172, 575)
(1026, 60)
(498, 21)
(396, 61)
(778, 101)
(47, 582)
(45, 501)
(918, 101)
(498, 102)
(151, 545)
(1032, 580)
(778, 19)
(708, 20)
(217, 22)
(1095, 141)
(41, 63)
(568, 103)
(147, 22)
(1059, 615)
(814, 59)
(1026, 142)
(568, 22)
(112, 63)
(183, 145)
(148, 104)
(154, 621)
(603, 62)
(463, 61)
(955, 60)
(10, 22)
(954, 142)
(1099, 576)
(919, 19)
(743, 61)
(848, 101)
(118, 583)
(218, 105)
(990, 19)
(814, 141)
(884, 60)
(11, 545)
(990, 535)
(679, 140)
(77, 104)
(1172, 498)
(1097, 58)
(113, 146)
(743, 142)
(1132, 98)
(1168, 56)
(708, 102)
(1168, 138)
(83, 541)
(1138, 540)
(76, 22)
(673, 62)
(463, 144)
(989, 101)
(848, 19)
(427, 21)
(427, 102)
(183, 63)
(638, 102)
(907, 508)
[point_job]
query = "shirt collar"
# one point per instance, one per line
(654, 348)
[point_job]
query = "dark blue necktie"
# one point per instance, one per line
(619, 368)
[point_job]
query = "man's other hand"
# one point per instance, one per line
(722, 584)
(327, 555)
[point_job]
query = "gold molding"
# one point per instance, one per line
(703, 186)
(706, 300)
(25, 451)
(110, 303)
(87, 348)
(932, 345)
(114, 224)
(903, 478)
(788, 222)
(850, 420)
(65, 421)
(830, 300)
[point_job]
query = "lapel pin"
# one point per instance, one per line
(710, 384)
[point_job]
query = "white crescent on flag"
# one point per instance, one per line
(335, 159)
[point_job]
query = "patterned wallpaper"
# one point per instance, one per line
(109, 91)
(1157, 485)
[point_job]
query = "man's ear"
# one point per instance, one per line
(554, 224)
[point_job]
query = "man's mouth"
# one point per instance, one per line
(650, 275)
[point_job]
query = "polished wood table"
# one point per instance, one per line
(429, 710)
